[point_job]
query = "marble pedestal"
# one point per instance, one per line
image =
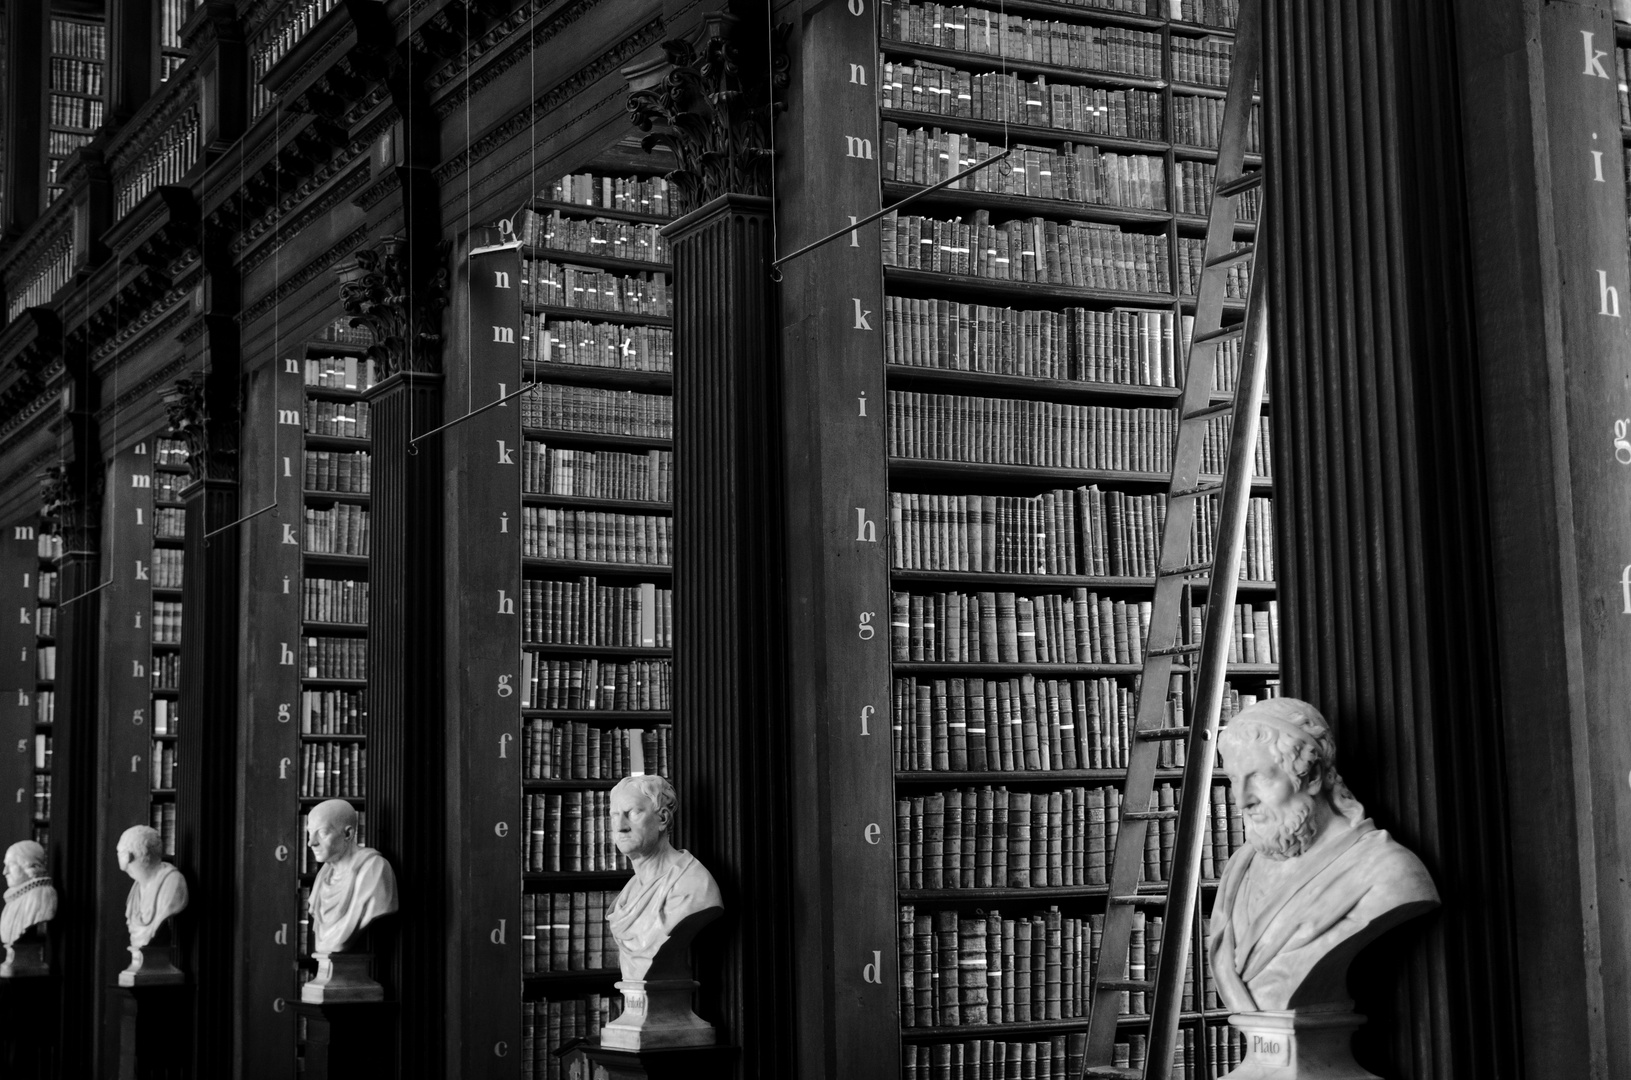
(656, 1016)
(348, 1041)
(589, 1061)
(1299, 1044)
(28, 1026)
(25, 960)
(152, 965)
(342, 978)
(153, 1030)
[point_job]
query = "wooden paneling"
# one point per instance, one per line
(19, 582)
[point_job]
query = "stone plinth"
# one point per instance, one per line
(152, 965)
(25, 959)
(1299, 1044)
(657, 1016)
(342, 978)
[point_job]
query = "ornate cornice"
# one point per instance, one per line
(28, 470)
(26, 416)
(142, 389)
(518, 122)
(712, 102)
(304, 276)
(404, 317)
(128, 334)
(137, 136)
(517, 51)
(212, 440)
(333, 196)
(373, 193)
(71, 495)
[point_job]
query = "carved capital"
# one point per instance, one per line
(379, 291)
(211, 435)
(712, 101)
(71, 496)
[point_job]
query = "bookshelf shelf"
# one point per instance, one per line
(1039, 1027)
(936, 54)
(911, 469)
(905, 281)
(1048, 581)
(563, 979)
(1003, 207)
(615, 651)
(615, 717)
(598, 569)
(312, 626)
(1029, 134)
(575, 879)
(1040, 894)
(310, 736)
(603, 262)
(315, 683)
(592, 438)
(1071, 391)
(333, 393)
(651, 382)
(323, 558)
(943, 777)
(361, 498)
(594, 504)
(955, 668)
(546, 206)
(597, 784)
(307, 801)
(625, 318)
(336, 442)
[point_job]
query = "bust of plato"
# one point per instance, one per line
(1316, 880)
(671, 895)
(159, 890)
(355, 885)
(30, 897)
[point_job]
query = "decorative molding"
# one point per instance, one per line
(375, 192)
(404, 317)
(125, 334)
(27, 469)
(25, 418)
(212, 452)
(333, 196)
(514, 54)
(180, 93)
(520, 121)
(712, 102)
(304, 276)
(71, 495)
(143, 388)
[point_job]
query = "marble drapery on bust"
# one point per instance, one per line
(158, 889)
(355, 885)
(30, 897)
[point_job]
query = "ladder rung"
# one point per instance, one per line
(1141, 900)
(1176, 650)
(1149, 815)
(1157, 734)
(1239, 185)
(1240, 254)
(1211, 410)
(1126, 985)
(1197, 490)
(1111, 1072)
(1233, 330)
(1187, 571)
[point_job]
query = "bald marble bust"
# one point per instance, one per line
(671, 895)
(1316, 881)
(355, 885)
(158, 891)
(30, 897)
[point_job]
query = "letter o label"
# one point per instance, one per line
(857, 7)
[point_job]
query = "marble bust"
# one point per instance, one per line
(670, 898)
(1316, 880)
(159, 890)
(355, 885)
(31, 901)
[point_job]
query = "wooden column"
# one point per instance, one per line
(19, 584)
(729, 640)
(405, 732)
(132, 55)
(27, 72)
(1383, 531)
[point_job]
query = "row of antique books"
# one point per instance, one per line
(340, 372)
(167, 486)
(162, 765)
(1076, 172)
(166, 716)
(1198, 121)
(333, 600)
(345, 419)
(169, 523)
(334, 657)
(45, 620)
(1086, 531)
(1061, 1057)
(1126, 346)
(45, 662)
(548, 340)
(549, 1024)
(597, 474)
(166, 671)
(1081, 254)
(162, 817)
(166, 623)
(969, 968)
(345, 471)
(578, 750)
(652, 195)
(333, 770)
(634, 685)
(592, 409)
(333, 712)
(342, 529)
(995, 33)
(551, 532)
(584, 612)
(567, 931)
(168, 564)
(45, 706)
(601, 237)
(994, 838)
(1051, 628)
(556, 284)
(1024, 431)
(938, 90)
(1025, 723)
(569, 831)
(77, 76)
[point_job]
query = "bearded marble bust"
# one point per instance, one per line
(30, 897)
(1316, 881)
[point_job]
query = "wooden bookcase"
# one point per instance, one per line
(596, 598)
(165, 568)
(48, 547)
(24, 694)
(74, 102)
(171, 14)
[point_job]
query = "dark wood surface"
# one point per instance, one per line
(19, 585)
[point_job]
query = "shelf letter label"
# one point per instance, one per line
(288, 416)
(140, 480)
(855, 232)
(866, 532)
(501, 1048)
(872, 833)
(501, 829)
(501, 280)
(26, 619)
(278, 1003)
(860, 316)
(873, 972)
(497, 936)
(288, 535)
(857, 7)
(291, 366)
(866, 715)
(137, 717)
(504, 687)
(281, 937)
(504, 741)
(857, 147)
(1625, 588)
(1609, 295)
(1622, 444)
(288, 471)
(281, 853)
(504, 522)
(22, 532)
(504, 335)
(506, 606)
(862, 400)
(865, 629)
(1594, 56)
(857, 75)
(141, 571)
(285, 654)
(282, 713)
(137, 671)
(135, 763)
(504, 457)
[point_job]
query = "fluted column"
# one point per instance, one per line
(1382, 522)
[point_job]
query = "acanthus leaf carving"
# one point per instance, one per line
(405, 317)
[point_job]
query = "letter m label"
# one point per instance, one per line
(22, 532)
(504, 334)
(857, 148)
(288, 416)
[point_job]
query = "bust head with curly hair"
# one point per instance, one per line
(1280, 755)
